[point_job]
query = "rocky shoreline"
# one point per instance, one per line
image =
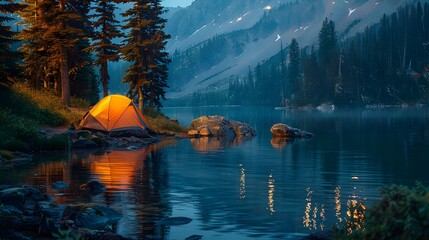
(26, 213)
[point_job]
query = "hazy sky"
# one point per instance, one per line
(175, 3)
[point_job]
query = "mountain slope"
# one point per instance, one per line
(225, 38)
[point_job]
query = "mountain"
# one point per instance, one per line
(213, 42)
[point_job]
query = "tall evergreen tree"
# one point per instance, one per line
(106, 30)
(56, 30)
(9, 69)
(294, 66)
(328, 57)
(144, 47)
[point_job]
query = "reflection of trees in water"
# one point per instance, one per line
(152, 189)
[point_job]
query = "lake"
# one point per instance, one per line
(246, 188)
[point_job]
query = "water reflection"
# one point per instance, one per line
(118, 169)
(206, 144)
(242, 182)
(271, 189)
(314, 217)
(338, 205)
(306, 219)
(355, 215)
(279, 143)
(136, 185)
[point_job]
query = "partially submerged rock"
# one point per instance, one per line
(60, 185)
(281, 130)
(174, 221)
(93, 187)
(219, 126)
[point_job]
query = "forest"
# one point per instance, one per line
(387, 64)
(64, 47)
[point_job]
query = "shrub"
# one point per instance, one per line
(401, 213)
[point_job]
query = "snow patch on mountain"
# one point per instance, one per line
(347, 14)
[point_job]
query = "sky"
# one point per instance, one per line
(176, 3)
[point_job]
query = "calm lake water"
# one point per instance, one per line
(248, 188)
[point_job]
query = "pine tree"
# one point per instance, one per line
(55, 30)
(144, 47)
(294, 66)
(328, 57)
(106, 30)
(9, 69)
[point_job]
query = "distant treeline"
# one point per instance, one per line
(388, 63)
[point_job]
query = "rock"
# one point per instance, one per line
(219, 126)
(194, 237)
(91, 216)
(83, 134)
(84, 143)
(22, 155)
(10, 210)
(93, 187)
(60, 185)
(11, 234)
(21, 161)
(174, 221)
(284, 131)
(21, 197)
(51, 210)
(204, 131)
(193, 133)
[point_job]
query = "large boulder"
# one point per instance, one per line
(281, 130)
(219, 126)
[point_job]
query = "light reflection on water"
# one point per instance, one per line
(248, 188)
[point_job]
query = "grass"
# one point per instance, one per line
(161, 123)
(23, 111)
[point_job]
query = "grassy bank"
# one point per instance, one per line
(23, 111)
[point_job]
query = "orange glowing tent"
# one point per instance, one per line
(118, 116)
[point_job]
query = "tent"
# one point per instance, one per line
(118, 116)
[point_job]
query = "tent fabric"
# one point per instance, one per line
(115, 113)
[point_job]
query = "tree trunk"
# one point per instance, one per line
(152, 91)
(140, 99)
(65, 80)
(105, 78)
(64, 68)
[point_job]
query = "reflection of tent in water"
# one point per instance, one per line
(118, 169)
(118, 116)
